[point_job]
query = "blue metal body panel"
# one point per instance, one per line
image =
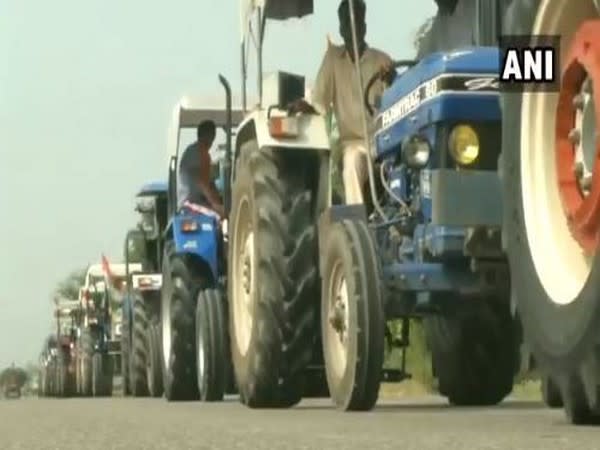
(447, 105)
(433, 259)
(202, 243)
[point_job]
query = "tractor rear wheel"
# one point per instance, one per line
(154, 362)
(272, 276)
(474, 352)
(352, 316)
(178, 307)
(551, 190)
(139, 349)
(211, 338)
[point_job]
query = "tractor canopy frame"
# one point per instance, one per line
(188, 114)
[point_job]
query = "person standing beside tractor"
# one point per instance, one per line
(335, 89)
(195, 186)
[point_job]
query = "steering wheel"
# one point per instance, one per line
(396, 64)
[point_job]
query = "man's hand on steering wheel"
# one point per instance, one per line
(301, 106)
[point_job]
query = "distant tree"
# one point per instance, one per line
(421, 34)
(69, 287)
(13, 374)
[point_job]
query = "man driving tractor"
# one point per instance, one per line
(195, 185)
(335, 89)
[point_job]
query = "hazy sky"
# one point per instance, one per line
(86, 93)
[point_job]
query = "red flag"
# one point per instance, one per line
(106, 267)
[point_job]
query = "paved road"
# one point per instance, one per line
(421, 424)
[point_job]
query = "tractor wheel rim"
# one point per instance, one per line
(576, 141)
(244, 284)
(561, 262)
(338, 321)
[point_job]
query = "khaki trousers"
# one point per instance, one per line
(355, 171)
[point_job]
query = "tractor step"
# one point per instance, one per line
(395, 376)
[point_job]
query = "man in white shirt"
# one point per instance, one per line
(336, 90)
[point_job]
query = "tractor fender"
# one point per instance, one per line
(201, 244)
(312, 134)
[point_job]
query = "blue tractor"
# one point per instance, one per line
(431, 248)
(313, 283)
(140, 338)
(195, 340)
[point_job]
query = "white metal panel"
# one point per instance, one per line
(147, 282)
(312, 136)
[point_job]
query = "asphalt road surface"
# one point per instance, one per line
(420, 424)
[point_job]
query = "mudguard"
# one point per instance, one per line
(201, 242)
(312, 133)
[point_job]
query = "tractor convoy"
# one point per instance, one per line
(481, 222)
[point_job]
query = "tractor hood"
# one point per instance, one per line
(444, 87)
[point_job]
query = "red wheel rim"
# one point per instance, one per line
(582, 211)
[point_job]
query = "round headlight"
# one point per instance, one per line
(416, 151)
(464, 144)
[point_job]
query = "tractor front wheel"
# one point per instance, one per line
(352, 317)
(154, 362)
(474, 352)
(211, 338)
(139, 349)
(551, 393)
(125, 347)
(178, 329)
(102, 375)
(86, 354)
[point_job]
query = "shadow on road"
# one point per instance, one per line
(417, 406)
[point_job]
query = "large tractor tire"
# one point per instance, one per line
(272, 276)
(126, 346)
(211, 340)
(138, 356)
(352, 316)
(178, 308)
(154, 373)
(474, 352)
(86, 353)
(552, 204)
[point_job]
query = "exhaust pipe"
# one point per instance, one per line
(227, 168)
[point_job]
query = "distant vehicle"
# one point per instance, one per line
(140, 338)
(99, 333)
(12, 390)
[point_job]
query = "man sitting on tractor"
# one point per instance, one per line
(335, 88)
(195, 186)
